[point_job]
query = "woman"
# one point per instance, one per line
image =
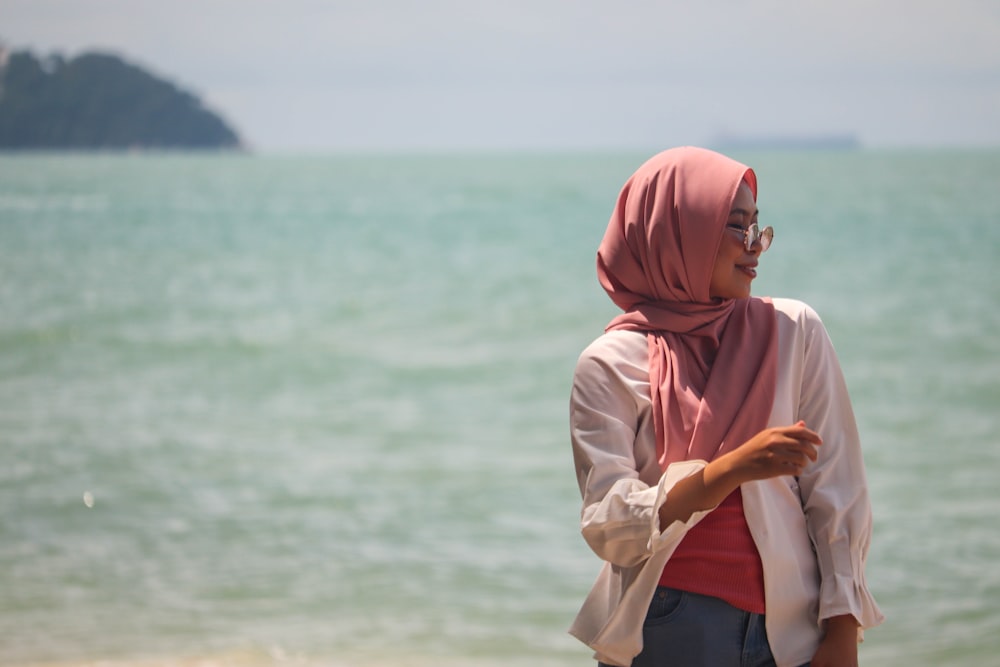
(714, 443)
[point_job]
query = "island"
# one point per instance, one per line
(99, 101)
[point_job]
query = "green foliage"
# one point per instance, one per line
(99, 101)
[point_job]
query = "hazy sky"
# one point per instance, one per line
(324, 75)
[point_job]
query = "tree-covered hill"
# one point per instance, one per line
(97, 100)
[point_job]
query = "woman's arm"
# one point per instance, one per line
(605, 420)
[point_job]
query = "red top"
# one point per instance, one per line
(718, 557)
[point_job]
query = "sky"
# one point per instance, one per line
(409, 75)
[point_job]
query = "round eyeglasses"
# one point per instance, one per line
(753, 234)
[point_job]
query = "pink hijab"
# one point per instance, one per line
(712, 362)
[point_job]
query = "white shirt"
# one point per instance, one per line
(812, 532)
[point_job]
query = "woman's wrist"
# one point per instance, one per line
(845, 623)
(721, 477)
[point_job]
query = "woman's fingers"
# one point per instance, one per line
(783, 450)
(804, 450)
(800, 431)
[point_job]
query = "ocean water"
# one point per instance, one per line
(264, 410)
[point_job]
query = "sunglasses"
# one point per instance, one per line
(754, 234)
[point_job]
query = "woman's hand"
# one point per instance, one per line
(839, 647)
(782, 450)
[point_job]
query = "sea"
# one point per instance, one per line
(305, 410)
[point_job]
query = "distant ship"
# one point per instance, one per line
(838, 142)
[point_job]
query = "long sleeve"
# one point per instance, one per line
(834, 489)
(620, 480)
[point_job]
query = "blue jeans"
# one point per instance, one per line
(690, 630)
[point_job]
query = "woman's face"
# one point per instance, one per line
(735, 267)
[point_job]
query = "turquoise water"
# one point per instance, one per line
(312, 411)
